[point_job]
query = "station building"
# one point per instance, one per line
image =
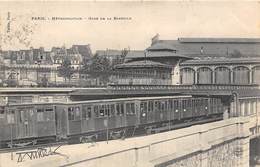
(143, 72)
(220, 71)
(205, 60)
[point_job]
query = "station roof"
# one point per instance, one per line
(215, 47)
(161, 46)
(159, 53)
(220, 40)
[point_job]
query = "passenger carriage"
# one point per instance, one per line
(24, 122)
(99, 116)
(72, 120)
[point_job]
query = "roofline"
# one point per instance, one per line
(219, 40)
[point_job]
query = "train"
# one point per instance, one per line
(21, 123)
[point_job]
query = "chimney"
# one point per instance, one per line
(155, 39)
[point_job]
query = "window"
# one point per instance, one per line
(122, 109)
(10, 117)
(117, 109)
(23, 115)
(49, 114)
(107, 110)
(176, 105)
(112, 109)
(74, 113)
(77, 111)
(86, 112)
(96, 111)
(150, 106)
(102, 111)
(170, 105)
(40, 114)
(130, 108)
(143, 107)
(2, 112)
(156, 106)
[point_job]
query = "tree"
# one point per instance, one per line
(124, 53)
(44, 81)
(65, 70)
(236, 54)
(100, 68)
(120, 59)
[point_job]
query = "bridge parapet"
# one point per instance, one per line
(225, 143)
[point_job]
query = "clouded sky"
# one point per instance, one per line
(145, 19)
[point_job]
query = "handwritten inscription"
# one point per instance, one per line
(35, 154)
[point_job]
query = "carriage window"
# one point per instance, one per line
(156, 106)
(23, 115)
(96, 111)
(74, 113)
(133, 108)
(130, 108)
(184, 105)
(10, 117)
(2, 112)
(122, 109)
(86, 112)
(117, 109)
(102, 111)
(150, 106)
(40, 113)
(107, 110)
(71, 113)
(170, 105)
(77, 111)
(143, 107)
(112, 109)
(176, 105)
(163, 105)
(49, 114)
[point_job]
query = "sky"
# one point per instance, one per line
(142, 20)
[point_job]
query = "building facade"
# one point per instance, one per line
(34, 66)
(206, 60)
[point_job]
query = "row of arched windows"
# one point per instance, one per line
(222, 75)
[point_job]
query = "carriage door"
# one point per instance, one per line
(26, 123)
(143, 112)
(61, 121)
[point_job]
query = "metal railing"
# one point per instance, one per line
(184, 87)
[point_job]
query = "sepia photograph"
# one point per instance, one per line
(130, 83)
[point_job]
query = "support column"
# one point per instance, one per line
(196, 77)
(231, 76)
(213, 77)
(250, 77)
(243, 152)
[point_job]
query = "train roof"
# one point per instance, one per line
(103, 100)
